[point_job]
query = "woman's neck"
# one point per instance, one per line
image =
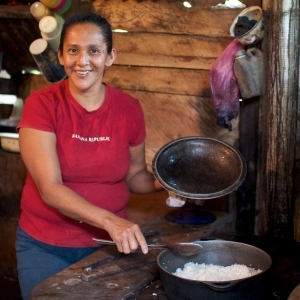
(90, 100)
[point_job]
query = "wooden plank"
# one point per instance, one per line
(169, 117)
(161, 80)
(16, 12)
(167, 17)
(267, 4)
(118, 264)
(154, 290)
(156, 60)
(166, 50)
(69, 285)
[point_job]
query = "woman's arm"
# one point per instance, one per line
(38, 150)
(139, 179)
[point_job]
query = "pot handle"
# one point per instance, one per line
(221, 286)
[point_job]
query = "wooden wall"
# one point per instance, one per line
(164, 60)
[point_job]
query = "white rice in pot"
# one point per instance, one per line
(210, 272)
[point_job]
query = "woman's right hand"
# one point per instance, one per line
(127, 235)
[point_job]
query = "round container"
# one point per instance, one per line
(47, 61)
(60, 5)
(51, 3)
(248, 69)
(199, 167)
(60, 21)
(52, 41)
(217, 252)
(256, 33)
(65, 8)
(39, 10)
(49, 26)
(10, 142)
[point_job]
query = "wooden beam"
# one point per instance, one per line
(246, 193)
(266, 4)
(160, 80)
(15, 12)
(278, 123)
(167, 17)
(167, 50)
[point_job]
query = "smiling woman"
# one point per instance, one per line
(90, 137)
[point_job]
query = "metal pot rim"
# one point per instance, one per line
(211, 283)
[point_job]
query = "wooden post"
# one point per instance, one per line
(246, 194)
(278, 120)
(297, 175)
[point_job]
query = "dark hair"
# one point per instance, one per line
(88, 18)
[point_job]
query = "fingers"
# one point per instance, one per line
(128, 237)
(141, 241)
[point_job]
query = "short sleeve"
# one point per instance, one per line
(36, 113)
(139, 130)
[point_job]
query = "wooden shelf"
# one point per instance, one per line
(15, 12)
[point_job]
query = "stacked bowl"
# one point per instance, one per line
(58, 6)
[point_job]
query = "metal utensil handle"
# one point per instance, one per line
(153, 246)
(108, 242)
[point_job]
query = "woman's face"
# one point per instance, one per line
(85, 57)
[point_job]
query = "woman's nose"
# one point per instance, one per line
(83, 59)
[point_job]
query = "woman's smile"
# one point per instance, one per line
(83, 73)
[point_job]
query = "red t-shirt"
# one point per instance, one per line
(93, 150)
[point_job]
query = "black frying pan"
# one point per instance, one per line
(199, 167)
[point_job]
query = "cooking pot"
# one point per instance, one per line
(217, 252)
(198, 167)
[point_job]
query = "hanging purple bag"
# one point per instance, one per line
(225, 93)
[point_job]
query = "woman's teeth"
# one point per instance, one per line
(82, 72)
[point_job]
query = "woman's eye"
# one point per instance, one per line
(72, 50)
(95, 51)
